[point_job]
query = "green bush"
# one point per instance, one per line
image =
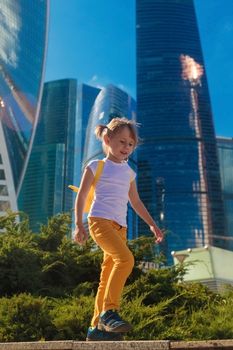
(62, 278)
(72, 316)
(24, 318)
(20, 267)
(29, 318)
(148, 320)
(46, 264)
(215, 321)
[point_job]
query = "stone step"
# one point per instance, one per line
(120, 345)
(202, 345)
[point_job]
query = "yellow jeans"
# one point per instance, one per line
(117, 263)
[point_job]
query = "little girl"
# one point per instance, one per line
(107, 223)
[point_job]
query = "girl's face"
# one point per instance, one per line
(120, 146)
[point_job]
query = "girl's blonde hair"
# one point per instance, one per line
(115, 126)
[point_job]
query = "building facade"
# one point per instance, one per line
(111, 102)
(179, 178)
(23, 44)
(205, 265)
(50, 170)
(86, 96)
(225, 154)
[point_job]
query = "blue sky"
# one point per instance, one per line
(94, 42)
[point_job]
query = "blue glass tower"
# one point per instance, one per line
(50, 169)
(225, 154)
(111, 102)
(86, 96)
(179, 178)
(23, 44)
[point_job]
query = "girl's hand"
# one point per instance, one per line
(80, 234)
(157, 232)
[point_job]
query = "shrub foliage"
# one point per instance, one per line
(48, 283)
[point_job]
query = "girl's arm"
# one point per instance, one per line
(80, 234)
(141, 210)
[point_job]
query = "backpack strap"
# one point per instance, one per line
(100, 167)
(99, 170)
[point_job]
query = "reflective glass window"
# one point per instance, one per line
(3, 190)
(2, 174)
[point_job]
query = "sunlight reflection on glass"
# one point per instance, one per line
(192, 71)
(10, 25)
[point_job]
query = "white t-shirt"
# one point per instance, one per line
(112, 191)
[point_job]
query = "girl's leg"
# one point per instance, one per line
(106, 269)
(111, 238)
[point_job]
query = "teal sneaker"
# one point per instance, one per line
(95, 334)
(110, 321)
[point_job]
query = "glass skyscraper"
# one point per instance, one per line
(179, 178)
(86, 96)
(225, 154)
(50, 169)
(23, 43)
(111, 102)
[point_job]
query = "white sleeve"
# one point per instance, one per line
(132, 175)
(93, 166)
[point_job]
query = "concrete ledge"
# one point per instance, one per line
(83, 345)
(41, 345)
(204, 345)
(120, 345)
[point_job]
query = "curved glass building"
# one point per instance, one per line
(23, 43)
(50, 169)
(111, 102)
(86, 96)
(179, 178)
